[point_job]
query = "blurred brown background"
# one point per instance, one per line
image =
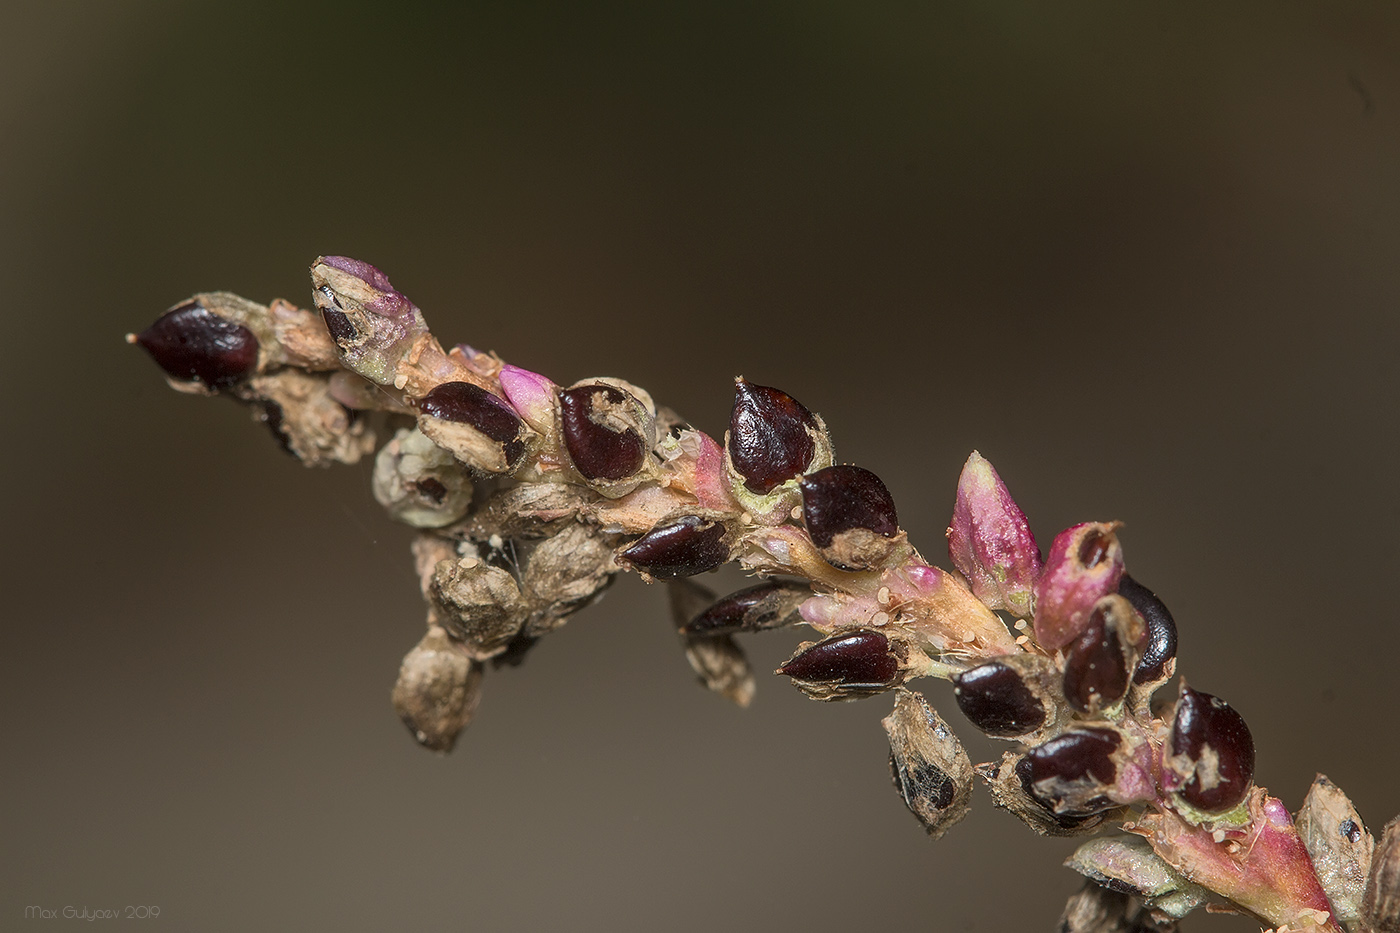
(1142, 256)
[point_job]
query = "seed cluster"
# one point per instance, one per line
(530, 497)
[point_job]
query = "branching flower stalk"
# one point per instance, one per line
(530, 498)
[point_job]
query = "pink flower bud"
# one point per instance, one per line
(531, 394)
(1085, 564)
(990, 541)
(1263, 865)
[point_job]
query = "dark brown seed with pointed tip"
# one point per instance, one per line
(465, 403)
(193, 343)
(843, 497)
(768, 605)
(860, 657)
(769, 436)
(1096, 665)
(995, 698)
(1068, 773)
(1160, 646)
(338, 323)
(681, 549)
(1214, 737)
(599, 452)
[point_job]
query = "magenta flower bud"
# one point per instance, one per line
(711, 481)
(1085, 565)
(1263, 866)
(531, 395)
(990, 541)
(374, 326)
(192, 343)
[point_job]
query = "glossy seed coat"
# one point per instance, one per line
(338, 325)
(193, 343)
(845, 497)
(1096, 665)
(681, 549)
(1214, 752)
(770, 436)
(597, 451)
(768, 605)
(1067, 773)
(1160, 647)
(996, 699)
(861, 657)
(465, 403)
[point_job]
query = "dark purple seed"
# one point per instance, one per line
(995, 698)
(599, 452)
(1096, 667)
(1160, 644)
(342, 331)
(1078, 765)
(1076, 755)
(465, 403)
(1072, 824)
(769, 436)
(681, 549)
(840, 498)
(1204, 722)
(1093, 550)
(272, 416)
(861, 657)
(193, 343)
(1350, 831)
(768, 605)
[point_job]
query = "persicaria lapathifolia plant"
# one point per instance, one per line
(530, 497)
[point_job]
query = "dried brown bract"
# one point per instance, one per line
(929, 765)
(438, 690)
(1380, 908)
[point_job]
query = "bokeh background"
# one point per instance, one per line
(1142, 256)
